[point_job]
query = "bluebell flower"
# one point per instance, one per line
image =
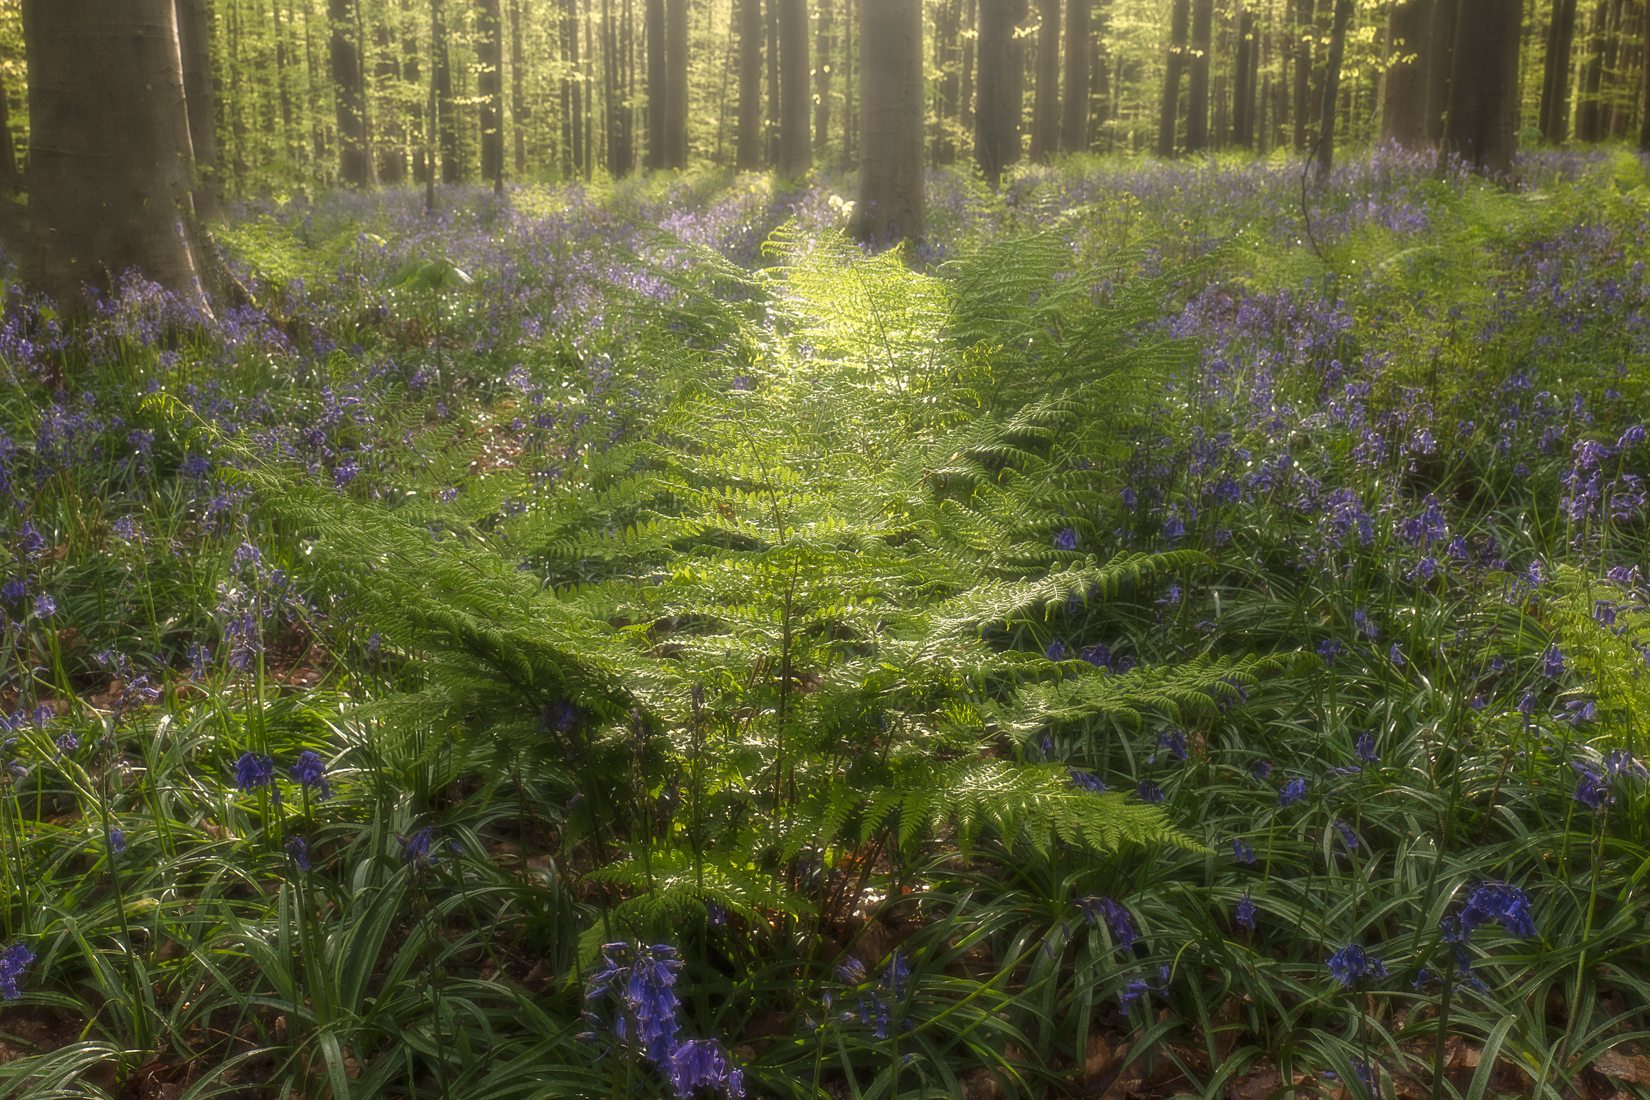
(1175, 741)
(44, 606)
(1352, 964)
(1395, 654)
(297, 849)
(117, 841)
(1502, 903)
(1620, 762)
(1348, 837)
(13, 960)
(419, 849)
(1118, 920)
(1066, 539)
(1135, 989)
(1592, 788)
(311, 771)
(1364, 748)
(1261, 769)
(1088, 781)
(641, 984)
(704, 1064)
(1292, 791)
(850, 971)
(253, 771)
(1578, 712)
(1329, 649)
(1056, 650)
(1147, 791)
(68, 744)
(1243, 852)
(1552, 662)
(1244, 915)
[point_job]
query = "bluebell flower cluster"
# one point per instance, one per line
(1352, 965)
(632, 999)
(13, 961)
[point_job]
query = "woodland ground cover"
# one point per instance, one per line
(631, 642)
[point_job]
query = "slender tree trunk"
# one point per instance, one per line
(349, 94)
(1481, 124)
(1644, 84)
(850, 81)
(965, 105)
(1588, 109)
(890, 206)
(658, 94)
(195, 41)
(1197, 108)
(1074, 110)
(795, 148)
(1045, 112)
(948, 98)
(490, 90)
(773, 59)
(1555, 78)
(825, 49)
(109, 173)
(1325, 152)
(446, 110)
(1243, 88)
(1169, 116)
(674, 106)
(997, 117)
(749, 154)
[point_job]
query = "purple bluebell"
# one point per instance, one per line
(1088, 781)
(1056, 650)
(704, 1064)
(1364, 748)
(1348, 836)
(297, 849)
(1243, 852)
(117, 841)
(1500, 903)
(1244, 915)
(13, 961)
(1352, 964)
(311, 771)
(253, 771)
(1592, 787)
(1148, 791)
(1552, 662)
(1066, 539)
(1117, 917)
(1292, 791)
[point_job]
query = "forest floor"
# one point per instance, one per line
(1162, 640)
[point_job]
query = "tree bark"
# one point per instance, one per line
(1328, 112)
(1197, 90)
(890, 206)
(490, 90)
(1589, 110)
(446, 111)
(824, 50)
(749, 154)
(1002, 67)
(1439, 61)
(1175, 64)
(195, 43)
(1045, 111)
(658, 91)
(1074, 110)
(1243, 81)
(795, 144)
(676, 83)
(1404, 97)
(109, 173)
(1481, 123)
(1555, 79)
(1644, 84)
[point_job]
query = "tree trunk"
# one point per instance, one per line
(970, 35)
(824, 49)
(1481, 123)
(109, 173)
(1197, 109)
(1589, 111)
(490, 90)
(1555, 78)
(195, 43)
(446, 111)
(1175, 64)
(850, 81)
(997, 116)
(1644, 84)
(349, 94)
(1332, 88)
(749, 155)
(1439, 61)
(1404, 98)
(795, 147)
(890, 206)
(658, 93)
(1074, 110)
(676, 83)
(1045, 112)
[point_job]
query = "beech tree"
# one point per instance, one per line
(1045, 114)
(1197, 90)
(749, 139)
(110, 162)
(1481, 121)
(1555, 79)
(1174, 65)
(1404, 94)
(795, 97)
(1074, 112)
(490, 89)
(1002, 67)
(891, 201)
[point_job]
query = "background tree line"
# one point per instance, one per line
(129, 107)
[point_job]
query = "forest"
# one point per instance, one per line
(824, 549)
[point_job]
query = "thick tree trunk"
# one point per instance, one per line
(1439, 61)
(1302, 107)
(1555, 78)
(195, 43)
(795, 144)
(1328, 112)
(1074, 110)
(109, 172)
(446, 110)
(1175, 64)
(890, 206)
(1243, 92)
(1589, 111)
(1644, 84)
(1045, 111)
(676, 83)
(1404, 98)
(391, 140)
(1002, 67)
(749, 155)
(947, 30)
(490, 90)
(1197, 89)
(1481, 123)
